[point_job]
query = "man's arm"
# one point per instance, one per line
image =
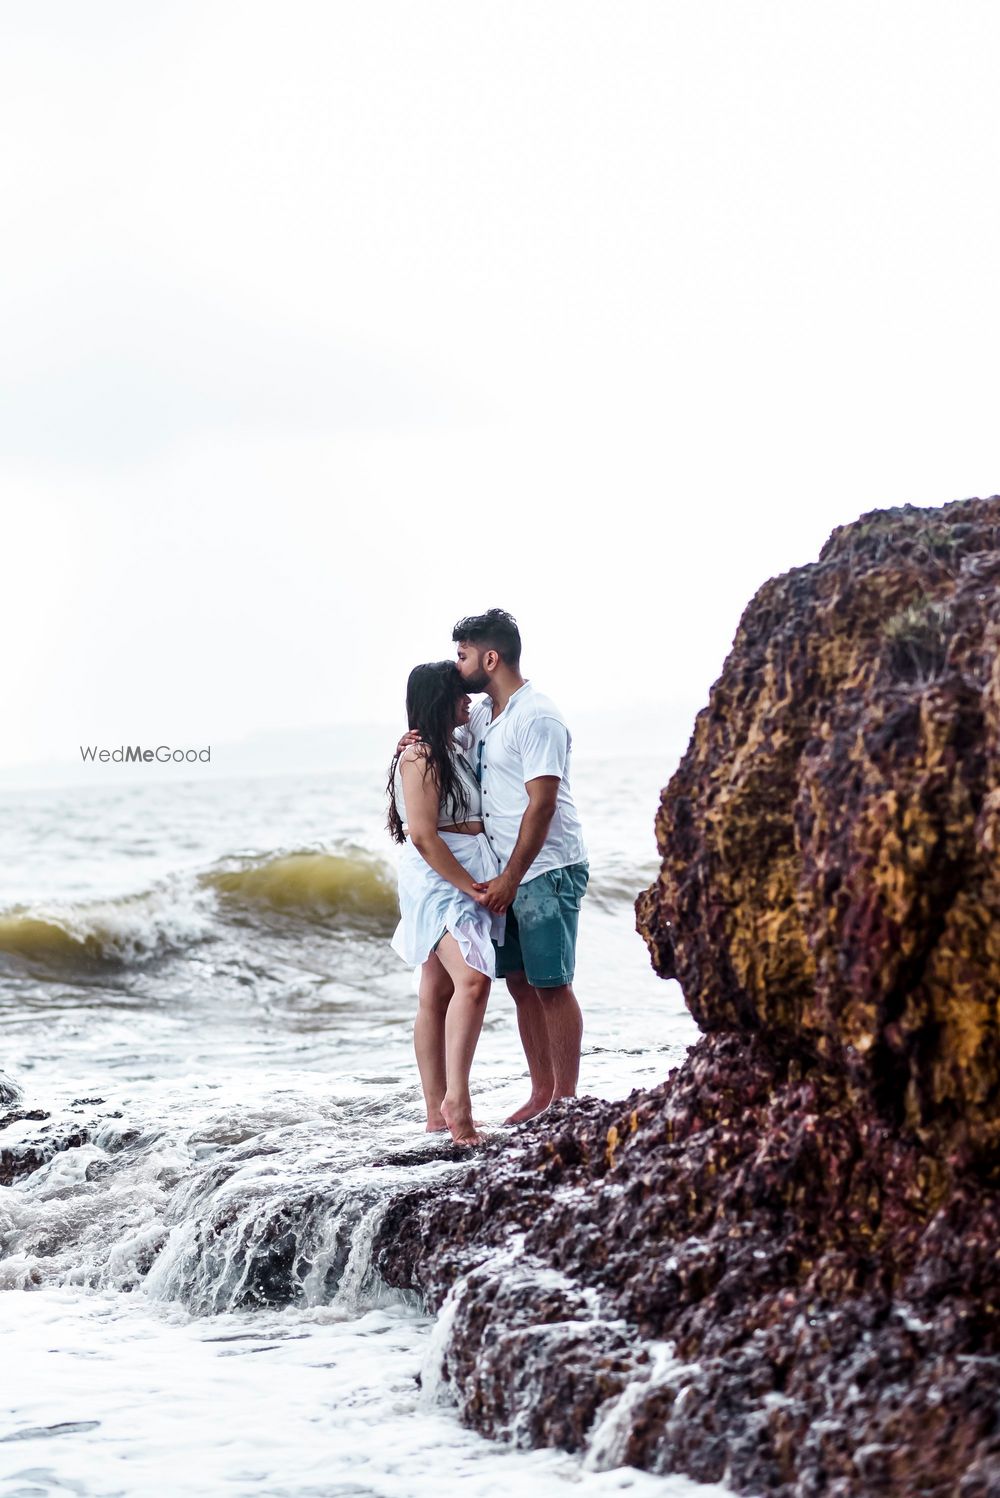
(538, 814)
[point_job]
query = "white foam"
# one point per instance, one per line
(285, 1403)
(135, 928)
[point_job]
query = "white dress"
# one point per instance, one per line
(429, 906)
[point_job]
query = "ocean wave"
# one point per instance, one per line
(344, 890)
(98, 934)
(349, 889)
(352, 884)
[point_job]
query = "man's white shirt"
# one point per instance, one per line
(528, 739)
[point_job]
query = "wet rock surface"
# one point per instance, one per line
(31, 1137)
(22, 1156)
(832, 1329)
(10, 1093)
(782, 1266)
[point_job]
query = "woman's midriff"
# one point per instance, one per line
(473, 828)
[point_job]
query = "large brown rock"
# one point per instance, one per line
(830, 840)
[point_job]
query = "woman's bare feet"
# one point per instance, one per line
(437, 1125)
(537, 1103)
(461, 1123)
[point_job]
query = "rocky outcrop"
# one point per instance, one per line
(829, 1333)
(783, 1265)
(830, 842)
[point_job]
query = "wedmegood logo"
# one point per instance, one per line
(133, 754)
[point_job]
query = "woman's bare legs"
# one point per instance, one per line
(463, 1022)
(428, 1038)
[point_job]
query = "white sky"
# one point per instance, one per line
(325, 323)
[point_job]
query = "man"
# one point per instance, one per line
(521, 749)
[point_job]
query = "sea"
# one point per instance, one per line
(197, 988)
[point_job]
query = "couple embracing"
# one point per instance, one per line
(492, 872)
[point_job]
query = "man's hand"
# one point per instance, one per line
(498, 893)
(411, 737)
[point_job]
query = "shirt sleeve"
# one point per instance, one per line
(544, 745)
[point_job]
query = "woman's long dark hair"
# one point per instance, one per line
(431, 694)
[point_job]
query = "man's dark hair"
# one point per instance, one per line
(495, 630)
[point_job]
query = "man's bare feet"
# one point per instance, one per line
(461, 1123)
(536, 1104)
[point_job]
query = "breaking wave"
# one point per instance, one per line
(100, 934)
(342, 890)
(347, 890)
(352, 883)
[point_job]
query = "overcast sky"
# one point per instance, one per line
(325, 323)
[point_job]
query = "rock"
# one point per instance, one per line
(24, 1150)
(10, 1093)
(830, 839)
(23, 1155)
(747, 1214)
(781, 1266)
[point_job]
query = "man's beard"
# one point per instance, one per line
(477, 683)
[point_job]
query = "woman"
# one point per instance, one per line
(435, 810)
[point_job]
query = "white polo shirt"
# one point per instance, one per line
(528, 739)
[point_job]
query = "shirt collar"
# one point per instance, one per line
(522, 688)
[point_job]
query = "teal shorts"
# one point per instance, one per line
(540, 938)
